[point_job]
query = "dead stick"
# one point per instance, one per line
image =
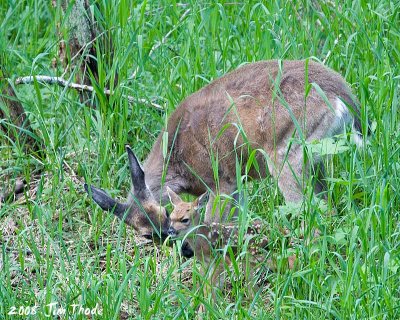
(81, 87)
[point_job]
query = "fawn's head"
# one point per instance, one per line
(142, 212)
(185, 214)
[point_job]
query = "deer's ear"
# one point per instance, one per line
(105, 201)
(173, 197)
(201, 201)
(140, 190)
(137, 173)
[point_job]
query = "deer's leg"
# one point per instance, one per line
(291, 171)
(287, 169)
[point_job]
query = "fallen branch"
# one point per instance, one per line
(80, 87)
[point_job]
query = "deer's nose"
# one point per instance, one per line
(171, 232)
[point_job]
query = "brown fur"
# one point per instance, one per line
(262, 93)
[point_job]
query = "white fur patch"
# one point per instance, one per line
(341, 109)
(357, 139)
(343, 118)
(342, 112)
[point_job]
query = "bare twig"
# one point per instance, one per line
(80, 87)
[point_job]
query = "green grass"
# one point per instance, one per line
(58, 246)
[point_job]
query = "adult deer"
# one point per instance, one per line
(262, 105)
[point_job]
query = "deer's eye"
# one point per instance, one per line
(148, 236)
(185, 220)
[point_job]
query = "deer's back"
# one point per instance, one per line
(255, 103)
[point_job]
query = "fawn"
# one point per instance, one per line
(206, 239)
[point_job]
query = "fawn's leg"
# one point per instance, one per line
(216, 279)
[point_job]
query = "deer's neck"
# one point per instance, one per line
(159, 175)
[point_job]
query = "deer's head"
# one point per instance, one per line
(185, 214)
(142, 212)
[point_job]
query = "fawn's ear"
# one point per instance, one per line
(173, 197)
(201, 201)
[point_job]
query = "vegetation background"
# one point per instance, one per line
(58, 246)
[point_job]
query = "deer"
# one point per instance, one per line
(209, 239)
(267, 106)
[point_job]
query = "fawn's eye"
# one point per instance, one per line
(148, 236)
(185, 220)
